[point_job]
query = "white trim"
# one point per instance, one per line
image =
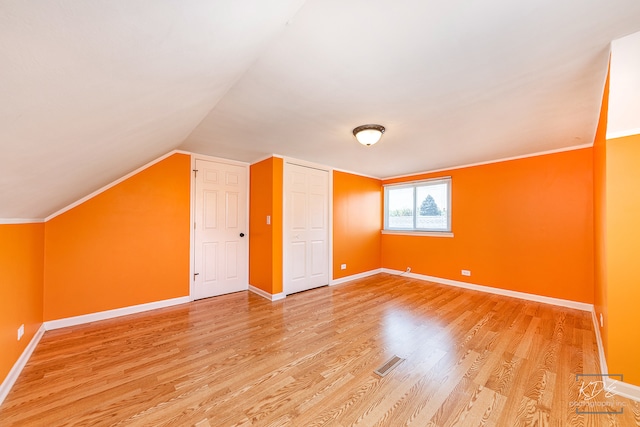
(623, 389)
(278, 297)
(196, 156)
(267, 295)
(505, 292)
(192, 214)
(358, 174)
(488, 162)
(620, 388)
(306, 164)
(330, 230)
(418, 233)
(409, 184)
(113, 184)
(262, 159)
(623, 133)
(355, 277)
(17, 368)
(9, 221)
(192, 234)
(596, 328)
(287, 161)
(110, 314)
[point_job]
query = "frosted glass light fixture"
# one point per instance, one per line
(368, 134)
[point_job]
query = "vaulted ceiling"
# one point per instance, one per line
(90, 90)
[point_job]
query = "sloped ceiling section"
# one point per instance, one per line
(91, 90)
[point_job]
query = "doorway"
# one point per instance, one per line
(220, 229)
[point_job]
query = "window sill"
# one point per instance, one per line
(418, 233)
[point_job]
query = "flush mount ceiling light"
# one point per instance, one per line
(368, 134)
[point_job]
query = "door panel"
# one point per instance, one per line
(220, 254)
(210, 262)
(299, 256)
(232, 260)
(210, 209)
(232, 210)
(318, 259)
(306, 228)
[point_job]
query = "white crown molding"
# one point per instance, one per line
(110, 314)
(358, 174)
(267, 295)
(623, 133)
(114, 183)
(17, 368)
(488, 162)
(10, 221)
(355, 277)
(262, 159)
(498, 291)
(208, 158)
(306, 163)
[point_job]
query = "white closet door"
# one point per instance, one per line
(306, 228)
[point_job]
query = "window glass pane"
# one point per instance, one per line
(400, 207)
(432, 204)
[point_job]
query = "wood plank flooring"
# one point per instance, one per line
(471, 359)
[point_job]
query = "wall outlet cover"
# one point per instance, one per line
(601, 320)
(343, 266)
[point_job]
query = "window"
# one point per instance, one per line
(418, 206)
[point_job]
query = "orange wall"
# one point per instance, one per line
(524, 225)
(21, 285)
(128, 245)
(357, 220)
(277, 223)
(599, 216)
(265, 240)
(622, 249)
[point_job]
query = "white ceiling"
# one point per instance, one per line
(90, 90)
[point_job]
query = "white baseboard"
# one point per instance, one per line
(355, 277)
(15, 371)
(267, 295)
(505, 292)
(110, 314)
(620, 388)
(596, 328)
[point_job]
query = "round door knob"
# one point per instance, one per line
(241, 234)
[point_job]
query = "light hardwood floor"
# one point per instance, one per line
(238, 360)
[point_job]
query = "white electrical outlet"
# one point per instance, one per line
(408, 270)
(268, 219)
(601, 320)
(466, 272)
(343, 266)
(20, 332)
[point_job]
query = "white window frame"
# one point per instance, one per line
(414, 230)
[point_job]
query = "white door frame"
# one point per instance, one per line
(192, 247)
(287, 161)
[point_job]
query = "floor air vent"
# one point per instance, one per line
(388, 366)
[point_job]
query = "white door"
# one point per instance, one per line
(221, 244)
(306, 228)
